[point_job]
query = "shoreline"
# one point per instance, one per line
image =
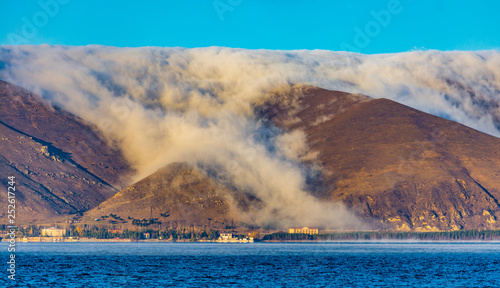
(388, 241)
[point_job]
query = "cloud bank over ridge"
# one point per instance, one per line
(164, 105)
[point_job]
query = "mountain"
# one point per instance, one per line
(406, 169)
(62, 164)
(177, 195)
(396, 167)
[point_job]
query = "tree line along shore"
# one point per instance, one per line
(193, 234)
(388, 235)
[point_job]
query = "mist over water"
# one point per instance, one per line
(164, 105)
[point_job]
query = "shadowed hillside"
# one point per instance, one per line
(61, 163)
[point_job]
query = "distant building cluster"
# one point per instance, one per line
(53, 232)
(228, 238)
(304, 230)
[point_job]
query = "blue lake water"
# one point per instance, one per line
(255, 265)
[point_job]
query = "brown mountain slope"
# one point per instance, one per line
(175, 195)
(404, 167)
(61, 164)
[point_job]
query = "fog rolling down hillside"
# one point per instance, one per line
(209, 108)
(396, 167)
(392, 166)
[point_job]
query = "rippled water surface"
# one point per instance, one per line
(255, 265)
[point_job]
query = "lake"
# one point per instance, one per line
(373, 264)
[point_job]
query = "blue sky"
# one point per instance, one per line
(375, 26)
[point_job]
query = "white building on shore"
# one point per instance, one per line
(305, 230)
(54, 232)
(228, 238)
